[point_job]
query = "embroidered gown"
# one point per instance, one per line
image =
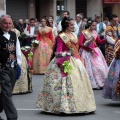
(62, 92)
(94, 61)
(111, 38)
(24, 83)
(111, 88)
(43, 52)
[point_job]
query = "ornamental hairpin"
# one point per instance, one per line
(89, 22)
(67, 21)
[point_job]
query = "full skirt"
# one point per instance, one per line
(70, 94)
(24, 83)
(111, 83)
(96, 67)
(41, 58)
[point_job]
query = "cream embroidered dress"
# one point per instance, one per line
(24, 84)
(66, 93)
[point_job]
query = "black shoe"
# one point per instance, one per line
(101, 88)
(1, 118)
(98, 88)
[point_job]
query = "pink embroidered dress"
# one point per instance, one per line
(63, 92)
(93, 58)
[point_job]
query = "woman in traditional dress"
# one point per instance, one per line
(92, 56)
(111, 38)
(66, 87)
(111, 88)
(24, 83)
(43, 52)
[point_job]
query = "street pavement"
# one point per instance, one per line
(25, 104)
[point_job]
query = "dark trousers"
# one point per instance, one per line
(102, 46)
(6, 103)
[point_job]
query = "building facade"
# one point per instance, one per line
(38, 8)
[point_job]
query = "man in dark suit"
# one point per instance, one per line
(10, 58)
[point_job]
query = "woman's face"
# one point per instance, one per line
(71, 26)
(93, 26)
(43, 22)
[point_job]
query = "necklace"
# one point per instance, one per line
(70, 35)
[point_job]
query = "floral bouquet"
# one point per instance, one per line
(35, 43)
(67, 67)
(28, 52)
(62, 59)
(26, 48)
(30, 55)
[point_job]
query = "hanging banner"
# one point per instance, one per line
(111, 1)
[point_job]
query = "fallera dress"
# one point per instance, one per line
(43, 52)
(62, 92)
(94, 60)
(111, 88)
(24, 83)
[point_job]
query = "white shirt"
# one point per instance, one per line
(76, 29)
(18, 50)
(59, 27)
(78, 23)
(54, 31)
(31, 33)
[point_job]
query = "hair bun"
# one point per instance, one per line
(64, 20)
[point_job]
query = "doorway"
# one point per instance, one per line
(37, 9)
(107, 10)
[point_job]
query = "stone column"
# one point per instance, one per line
(94, 7)
(71, 8)
(116, 10)
(54, 9)
(2, 7)
(47, 8)
(31, 9)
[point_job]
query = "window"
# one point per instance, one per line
(60, 7)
